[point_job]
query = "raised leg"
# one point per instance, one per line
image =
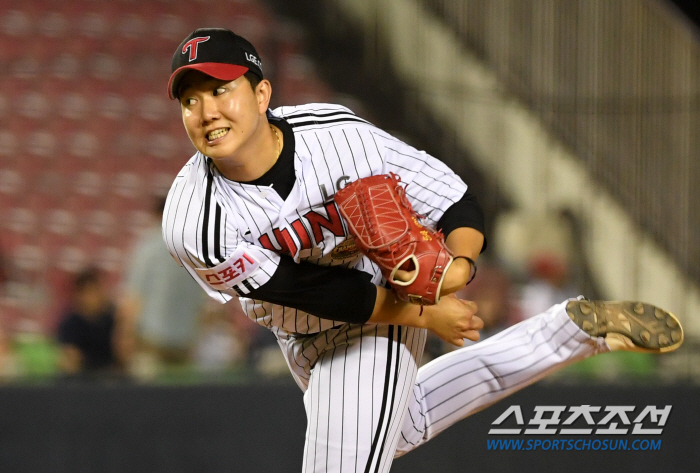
(467, 380)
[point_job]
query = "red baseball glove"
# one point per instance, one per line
(386, 229)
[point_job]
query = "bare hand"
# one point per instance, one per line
(453, 320)
(404, 276)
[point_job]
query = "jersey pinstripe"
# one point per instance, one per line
(209, 219)
(367, 401)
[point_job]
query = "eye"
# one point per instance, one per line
(188, 101)
(219, 90)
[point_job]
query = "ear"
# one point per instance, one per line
(263, 94)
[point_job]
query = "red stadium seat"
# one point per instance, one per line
(60, 222)
(72, 258)
(87, 132)
(105, 67)
(74, 105)
(53, 24)
(110, 259)
(111, 106)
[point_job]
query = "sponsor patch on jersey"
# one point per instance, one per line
(347, 249)
(235, 269)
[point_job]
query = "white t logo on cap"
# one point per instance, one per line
(192, 45)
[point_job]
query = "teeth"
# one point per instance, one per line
(217, 133)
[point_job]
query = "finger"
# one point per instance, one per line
(403, 276)
(476, 323)
(457, 341)
(472, 335)
(471, 305)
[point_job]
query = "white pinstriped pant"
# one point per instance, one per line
(367, 402)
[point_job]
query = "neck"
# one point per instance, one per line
(257, 157)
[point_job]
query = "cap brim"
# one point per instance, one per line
(216, 70)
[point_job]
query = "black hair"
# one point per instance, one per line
(87, 277)
(253, 79)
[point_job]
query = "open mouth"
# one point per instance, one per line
(216, 134)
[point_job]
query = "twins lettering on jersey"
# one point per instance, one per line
(207, 218)
(308, 240)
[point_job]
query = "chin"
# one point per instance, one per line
(211, 151)
(216, 153)
(219, 151)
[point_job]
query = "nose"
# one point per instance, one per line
(210, 110)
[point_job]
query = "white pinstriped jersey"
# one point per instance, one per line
(229, 235)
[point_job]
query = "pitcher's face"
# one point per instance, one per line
(221, 117)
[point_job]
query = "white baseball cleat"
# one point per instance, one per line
(628, 325)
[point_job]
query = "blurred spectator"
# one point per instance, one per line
(5, 351)
(159, 308)
(5, 356)
(220, 343)
(28, 348)
(86, 332)
(548, 283)
(541, 250)
(264, 355)
(3, 268)
(492, 290)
